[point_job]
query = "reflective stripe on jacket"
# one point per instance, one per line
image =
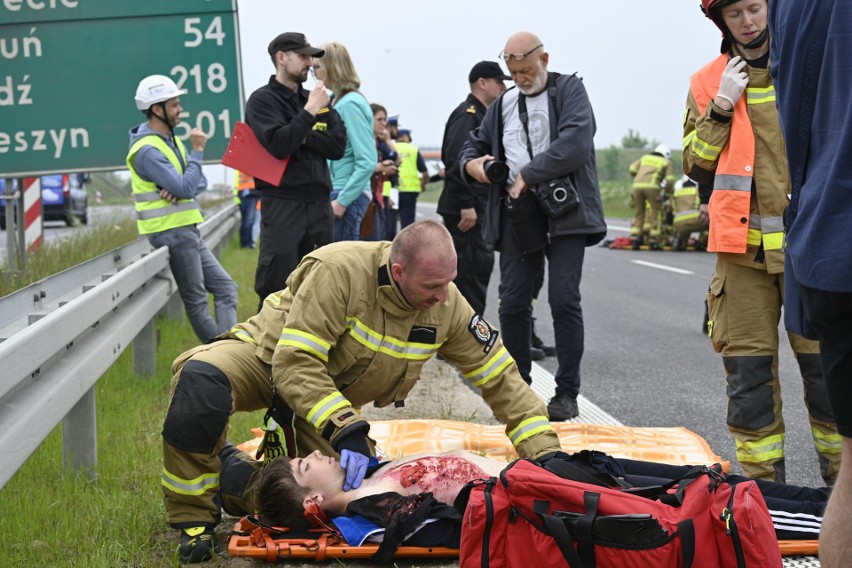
(153, 213)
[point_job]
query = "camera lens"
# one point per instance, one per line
(560, 194)
(496, 171)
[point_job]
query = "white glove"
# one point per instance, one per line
(733, 82)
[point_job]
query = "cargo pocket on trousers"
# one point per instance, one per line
(717, 305)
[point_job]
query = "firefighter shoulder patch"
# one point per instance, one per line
(483, 332)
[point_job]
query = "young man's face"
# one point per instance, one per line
(296, 66)
(319, 474)
(173, 110)
(745, 19)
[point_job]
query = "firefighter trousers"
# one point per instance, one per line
(745, 309)
(652, 224)
(210, 383)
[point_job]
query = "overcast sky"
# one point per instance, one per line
(635, 56)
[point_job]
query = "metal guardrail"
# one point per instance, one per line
(60, 335)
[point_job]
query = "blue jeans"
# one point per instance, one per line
(348, 227)
(197, 272)
(520, 279)
(248, 211)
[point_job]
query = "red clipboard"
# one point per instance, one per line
(246, 154)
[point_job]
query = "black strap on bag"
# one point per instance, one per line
(559, 532)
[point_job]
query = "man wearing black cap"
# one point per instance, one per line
(462, 205)
(291, 121)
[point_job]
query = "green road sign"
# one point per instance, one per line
(69, 71)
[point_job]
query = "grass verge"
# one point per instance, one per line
(52, 517)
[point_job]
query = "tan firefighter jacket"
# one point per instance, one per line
(341, 335)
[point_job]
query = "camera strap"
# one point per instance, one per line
(524, 116)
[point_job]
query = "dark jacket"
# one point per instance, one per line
(571, 153)
(458, 194)
(278, 118)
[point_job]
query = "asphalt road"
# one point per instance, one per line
(646, 361)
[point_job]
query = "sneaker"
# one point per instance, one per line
(562, 407)
(197, 544)
(536, 354)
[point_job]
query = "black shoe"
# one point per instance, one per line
(562, 407)
(197, 544)
(536, 354)
(637, 243)
(537, 343)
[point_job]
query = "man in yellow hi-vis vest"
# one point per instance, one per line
(413, 177)
(165, 180)
(247, 197)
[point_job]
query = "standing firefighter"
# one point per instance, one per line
(733, 144)
(649, 174)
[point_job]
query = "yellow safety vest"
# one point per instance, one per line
(153, 213)
(409, 176)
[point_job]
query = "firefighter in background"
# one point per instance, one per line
(685, 215)
(247, 198)
(733, 146)
(649, 173)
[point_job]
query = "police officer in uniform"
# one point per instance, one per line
(165, 180)
(355, 325)
(462, 205)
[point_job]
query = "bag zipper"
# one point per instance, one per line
(731, 529)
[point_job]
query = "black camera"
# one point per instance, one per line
(557, 197)
(496, 171)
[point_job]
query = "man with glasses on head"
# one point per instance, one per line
(291, 121)
(543, 130)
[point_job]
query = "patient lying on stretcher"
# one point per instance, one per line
(286, 488)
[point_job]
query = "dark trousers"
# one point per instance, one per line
(390, 221)
(519, 273)
(248, 210)
(829, 314)
(290, 230)
(407, 208)
(475, 262)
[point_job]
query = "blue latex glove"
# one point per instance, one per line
(355, 465)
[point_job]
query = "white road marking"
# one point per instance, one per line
(615, 228)
(544, 385)
(662, 267)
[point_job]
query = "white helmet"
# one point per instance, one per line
(156, 89)
(663, 150)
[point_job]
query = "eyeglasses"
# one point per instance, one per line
(517, 56)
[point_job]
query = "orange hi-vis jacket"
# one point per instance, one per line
(729, 204)
(742, 148)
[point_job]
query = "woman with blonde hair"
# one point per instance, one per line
(350, 175)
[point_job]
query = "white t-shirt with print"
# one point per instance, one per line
(514, 137)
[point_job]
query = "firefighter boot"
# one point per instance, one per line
(197, 544)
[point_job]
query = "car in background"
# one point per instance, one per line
(63, 198)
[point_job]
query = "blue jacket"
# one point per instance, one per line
(815, 110)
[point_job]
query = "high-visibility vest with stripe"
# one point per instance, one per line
(153, 213)
(731, 198)
(409, 175)
(685, 204)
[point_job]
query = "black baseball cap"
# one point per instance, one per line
(294, 41)
(487, 70)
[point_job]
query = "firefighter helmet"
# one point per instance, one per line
(663, 151)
